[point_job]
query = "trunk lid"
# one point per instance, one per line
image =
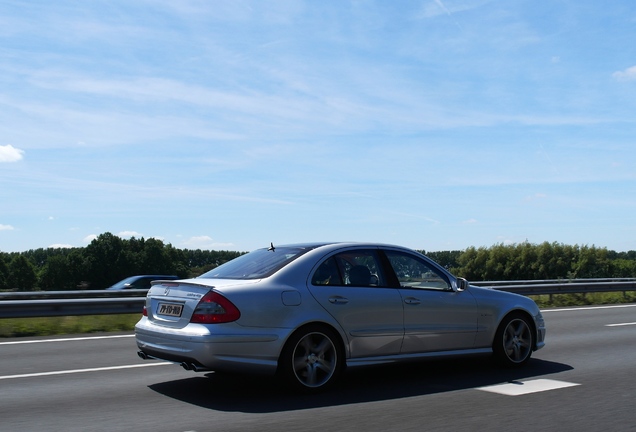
(172, 303)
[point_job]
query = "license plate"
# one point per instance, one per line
(170, 309)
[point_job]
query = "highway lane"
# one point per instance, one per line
(590, 352)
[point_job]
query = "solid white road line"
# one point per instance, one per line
(24, 342)
(620, 324)
(572, 309)
(74, 371)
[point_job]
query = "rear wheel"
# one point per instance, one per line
(312, 359)
(514, 341)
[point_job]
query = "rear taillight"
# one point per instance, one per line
(145, 311)
(213, 308)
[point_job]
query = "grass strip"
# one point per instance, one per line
(583, 299)
(50, 326)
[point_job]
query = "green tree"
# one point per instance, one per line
(155, 258)
(4, 272)
(106, 261)
(623, 268)
(593, 262)
(447, 259)
(22, 276)
(56, 274)
(472, 263)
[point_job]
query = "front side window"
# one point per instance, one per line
(413, 272)
(359, 268)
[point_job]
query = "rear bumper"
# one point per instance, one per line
(230, 348)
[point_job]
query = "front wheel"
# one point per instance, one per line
(312, 359)
(514, 341)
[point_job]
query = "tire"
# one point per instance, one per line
(514, 341)
(312, 359)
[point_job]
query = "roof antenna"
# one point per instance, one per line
(271, 247)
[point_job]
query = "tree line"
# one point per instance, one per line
(105, 261)
(109, 259)
(527, 261)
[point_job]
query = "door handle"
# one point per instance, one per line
(338, 300)
(412, 300)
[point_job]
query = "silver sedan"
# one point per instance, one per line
(308, 311)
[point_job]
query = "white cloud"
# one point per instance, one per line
(90, 238)
(129, 234)
(204, 242)
(6, 227)
(60, 246)
(628, 74)
(9, 153)
(505, 241)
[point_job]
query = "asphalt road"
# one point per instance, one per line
(583, 380)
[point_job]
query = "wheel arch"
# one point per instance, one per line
(320, 324)
(524, 313)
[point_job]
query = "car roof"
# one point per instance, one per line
(315, 245)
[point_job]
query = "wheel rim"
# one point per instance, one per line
(314, 360)
(517, 341)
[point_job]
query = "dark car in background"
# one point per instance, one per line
(140, 281)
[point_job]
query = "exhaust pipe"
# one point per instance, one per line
(194, 367)
(142, 355)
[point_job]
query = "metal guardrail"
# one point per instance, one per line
(105, 302)
(32, 304)
(70, 307)
(564, 288)
(77, 294)
(551, 281)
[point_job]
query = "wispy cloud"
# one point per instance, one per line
(536, 197)
(628, 74)
(204, 242)
(6, 227)
(436, 8)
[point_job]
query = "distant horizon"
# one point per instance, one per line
(300, 242)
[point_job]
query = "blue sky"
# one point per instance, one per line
(435, 124)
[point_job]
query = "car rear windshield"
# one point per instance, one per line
(257, 264)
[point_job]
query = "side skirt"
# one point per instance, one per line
(369, 361)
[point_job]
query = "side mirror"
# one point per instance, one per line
(462, 284)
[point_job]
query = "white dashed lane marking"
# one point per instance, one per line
(75, 371)
(518, 388)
